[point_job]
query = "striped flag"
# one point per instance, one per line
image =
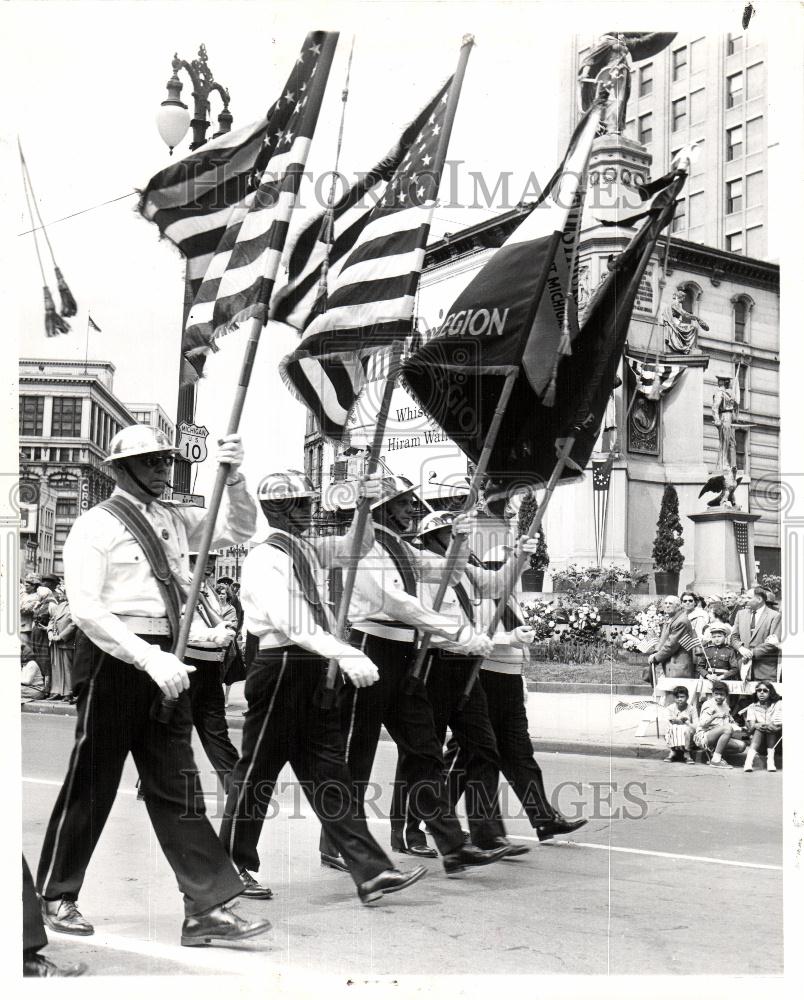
(601, 481)
(654, 380)
(741, 540)
(320, 248)
(372, 298)
(227, 206)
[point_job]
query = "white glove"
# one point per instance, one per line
(168, 672)
(524, 635)
(230, 451)
(464, 524)
(477, 644)
(370, 486)
(222, 634)
(360, 670)
(525, 544)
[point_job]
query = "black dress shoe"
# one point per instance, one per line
(34, 964)
(514, 850)
(220, 924)
(334, 861)
(416, 850)
(555, 827)
(64, 916)
(470, 856)
(392, 880)
(253, 889)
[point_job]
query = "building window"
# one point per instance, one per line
(754, 241)
(680, 218)
(67, 507)
(697, 55)
(679, 114)
(680, 63)
(734, 196)
(754, 81)
(753, 135)
(32, 409)
(646, 128)
(741, 440)
(734, 242)
(754, 190)
(646, 79)
(696, 209)
(734, 142)
(66, 420)
(691, 293)
(740, 313)
(734, 90)
(734, 43)
(697, 107)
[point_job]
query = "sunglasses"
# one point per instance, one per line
(760, 690)
(153, 461)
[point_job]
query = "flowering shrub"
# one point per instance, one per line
(773, 582)
(584, 622)
(541, 616)
(596, 579)
(644, 632)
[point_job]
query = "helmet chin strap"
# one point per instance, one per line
(155, 494)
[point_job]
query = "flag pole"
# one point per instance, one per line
(457, 541)
(521, 559)
(86, 348)
(363, 510)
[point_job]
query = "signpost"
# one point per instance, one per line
(189, 499)
(192, 443)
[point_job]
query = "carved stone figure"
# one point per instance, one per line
(681, 327)
(725, 411)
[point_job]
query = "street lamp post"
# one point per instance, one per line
(237, 551)
(173, 120)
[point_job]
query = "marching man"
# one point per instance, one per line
(128, 616)
(386, 613)
(286, 720)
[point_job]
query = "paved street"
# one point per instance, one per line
(636, 893)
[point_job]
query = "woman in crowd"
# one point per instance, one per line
(62, 642)
(716, 729)
(698, 618)
(683, 720)
(40, 639)
(763, 723)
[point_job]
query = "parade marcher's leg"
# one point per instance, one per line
(103, 735)
(170, 783)
(271, 699)
(317, 759)
(209, 719)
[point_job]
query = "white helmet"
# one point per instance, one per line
(436, 520)
(138, 439)
(290, 485)
(393, 487)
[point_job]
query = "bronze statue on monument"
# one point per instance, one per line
(725, 415)
(681, 326)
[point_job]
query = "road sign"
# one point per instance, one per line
(192, 442)
(190, 499)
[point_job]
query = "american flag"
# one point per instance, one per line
(601, 480)
(227, 206)
(653, 380)
(372, 299)
(741, 539)
(322, 245)
(625, 706)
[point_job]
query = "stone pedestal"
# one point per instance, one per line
(717, 565)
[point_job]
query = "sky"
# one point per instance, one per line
(94, 76)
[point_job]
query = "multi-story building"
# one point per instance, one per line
(153, 415)
(67, 415)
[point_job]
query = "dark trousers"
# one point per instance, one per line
(33, 928)
(509, 720)
(403, 707)
(209, 718)
(445, 681)
(114, 706)
(285, 724)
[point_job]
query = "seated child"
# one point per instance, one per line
(717, 660)
(683, 720)
(716, 728)
(763, 723)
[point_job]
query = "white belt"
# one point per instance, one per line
(146, 626)
(216, 655)
(387, 631)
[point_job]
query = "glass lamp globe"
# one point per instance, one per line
(173, 120)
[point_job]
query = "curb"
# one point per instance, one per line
(595, 748)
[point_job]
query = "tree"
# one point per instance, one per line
(667, 555)
(540, 560)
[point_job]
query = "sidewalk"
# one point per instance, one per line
(563, 718)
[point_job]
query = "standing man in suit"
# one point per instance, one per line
(756, 634)
(670, 655)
